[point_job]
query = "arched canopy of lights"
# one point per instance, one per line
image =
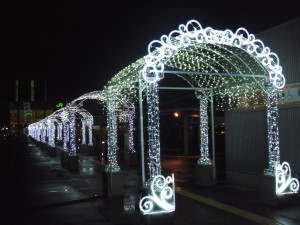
(87, 120)
(232, 68)
(121, 94)
(65, 120)
(94, 95)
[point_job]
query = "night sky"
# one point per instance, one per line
(77, 46)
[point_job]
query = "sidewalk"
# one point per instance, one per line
(36, 189)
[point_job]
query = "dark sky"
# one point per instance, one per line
(77, 46)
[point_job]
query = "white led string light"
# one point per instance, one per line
(153, 130)
(59, 131)
(38, 132)
(90, 123)
(159, 51)
(43, 133)
(131, 116)
(72, 132)
(204, 151)
(285, 184)
(95, 95)
(65, 135)
(273, 132)
(207, 51)
(83, 129)
(112, 138)
(161, 198)
(123, 116)
(51, 132)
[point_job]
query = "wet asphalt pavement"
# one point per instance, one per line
(36, 189)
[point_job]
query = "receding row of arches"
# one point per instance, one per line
(225, 69)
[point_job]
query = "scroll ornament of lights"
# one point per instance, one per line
(159, 51)
(161, 198)
(285, 184)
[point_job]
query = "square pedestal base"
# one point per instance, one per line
(113, 184)
(267, 193)
(131, 159)
(73, 163)
(51, 151)
(204, 175)
(158, 219)
(63, 159)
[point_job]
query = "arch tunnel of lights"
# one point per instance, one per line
(224, 68)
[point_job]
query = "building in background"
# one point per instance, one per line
(30, 104)
(246, 129)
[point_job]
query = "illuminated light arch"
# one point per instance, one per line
(78, 102)
(94, 95)
(63, 116)
(233, 65)
(120, 97)
(85, 115)
(236, 63)
(67, 115)
(227, 63)
(191, 34)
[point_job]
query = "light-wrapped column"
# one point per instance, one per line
(66, 136)
(43, 133)
(72, 132)
(131, 115)
(204, 150)
(38, 132)
(59, 131)
(153, 130)
(32, 131)
(273, 132)
(51, 132)
(83, 129)
(39, 136)
(90, 123)
(112, 138)
(45, 127)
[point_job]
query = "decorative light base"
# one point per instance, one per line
(204, 175)
(267, 192)
(131, 159)
(158, 219)
(73, 164)
(113, 184)
(159, 197)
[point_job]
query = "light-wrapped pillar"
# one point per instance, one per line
(112, 138)
(273, 132)
(65, 136)
(72, 132)
(51, 139)
(43, 133)
(39, 131)
(131, 116)
(153, 130)
(83, 129)
(90, 123)
(59, 131)
(204, 150)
